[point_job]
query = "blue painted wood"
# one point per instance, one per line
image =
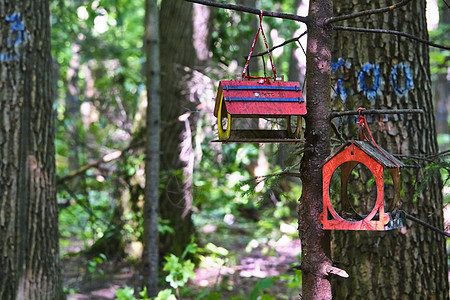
(263, 99)
(262, 88)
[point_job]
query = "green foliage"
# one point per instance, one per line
(441, 168)
(127, 293)
(260, 287)
(94, 263)
(180, 269)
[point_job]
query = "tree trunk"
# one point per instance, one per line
(29, 264)
(178, 58)
(315, 241)
(441, 85)
(152, 71)
(407, 263)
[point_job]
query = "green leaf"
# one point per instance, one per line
(216, 250)
(260, 286)
(165, 295)
(126, 293)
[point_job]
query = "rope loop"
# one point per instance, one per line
(260, 29)
(363, 122)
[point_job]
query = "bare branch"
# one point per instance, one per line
(335, 114)
(296, 39)
(251, 10)
(108, 157)
(393, 32)
(366, 12)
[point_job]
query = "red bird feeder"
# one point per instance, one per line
(348, 157)
(376, 159)
(259, 97)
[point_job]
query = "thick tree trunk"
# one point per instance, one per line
(315, 241)
(29, 264)
(441, 86)
(408, 263)
(178, 58)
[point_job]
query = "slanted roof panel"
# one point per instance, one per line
(383, 157)
(386, 159)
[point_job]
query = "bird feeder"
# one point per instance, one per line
(376, 159)
(259, 99)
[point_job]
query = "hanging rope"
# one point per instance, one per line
(260, 29)
(363, 122)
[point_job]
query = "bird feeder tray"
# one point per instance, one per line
(376, 159)
(259, 99)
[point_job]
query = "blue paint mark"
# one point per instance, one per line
(401, 87)
(340, 90)
(17, 27)
(8, 57)
(337, 65)
(375, 89)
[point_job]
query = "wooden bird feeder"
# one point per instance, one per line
(259, 99)
(347, 157)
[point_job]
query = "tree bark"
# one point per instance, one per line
(150, 258)
(408, 263)
(178, 56)
(29, 264)
(315, 241)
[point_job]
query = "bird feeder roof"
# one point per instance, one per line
(261, 98)
(384, 158)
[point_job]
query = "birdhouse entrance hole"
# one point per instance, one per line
(354, 179)
(353, 192)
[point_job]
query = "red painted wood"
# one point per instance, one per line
(353, 153)
(277, 107)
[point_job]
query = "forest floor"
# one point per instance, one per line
(234, 277)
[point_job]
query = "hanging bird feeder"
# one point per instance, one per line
(259, 97)
(377, 160)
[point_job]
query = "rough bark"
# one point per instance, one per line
(151, 200)
(441, 86)
(315, 241)
(409, 263)
(178, 57)
(29, 264)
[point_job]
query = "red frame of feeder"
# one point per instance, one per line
(348, 157)
(255, 99)
(248, 98)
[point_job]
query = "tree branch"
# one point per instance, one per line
(296, 39)
(251, 10)
(108, 157)
(335, 114)
(366, 12)
(394, 32)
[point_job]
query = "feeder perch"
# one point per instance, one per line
(376, 159)
(259, 99)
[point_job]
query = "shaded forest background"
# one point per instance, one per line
(223, 209)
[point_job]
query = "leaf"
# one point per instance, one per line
(165, 295)
(216, 250)
(126, 293)
(260, 286)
